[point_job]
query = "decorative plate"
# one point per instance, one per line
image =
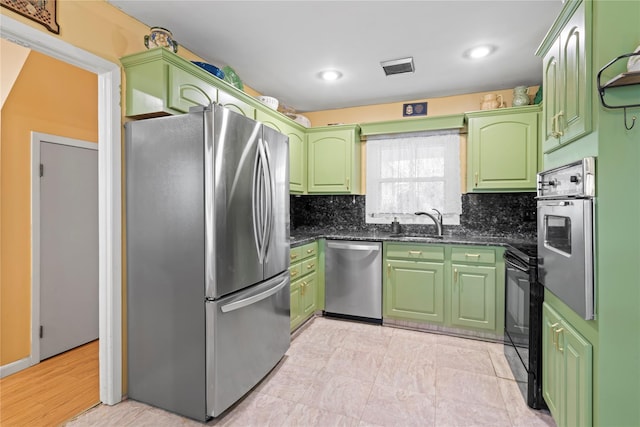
(211, 69)
(232, 78)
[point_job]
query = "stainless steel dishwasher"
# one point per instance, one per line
(353, 280)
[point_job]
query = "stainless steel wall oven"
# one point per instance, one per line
(565, 234)
(523, 322)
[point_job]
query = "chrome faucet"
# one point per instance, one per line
(436, 219)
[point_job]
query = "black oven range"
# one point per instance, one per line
(524, 296)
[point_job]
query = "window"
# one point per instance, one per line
(413, 172)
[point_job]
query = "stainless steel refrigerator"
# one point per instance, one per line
(207, 232)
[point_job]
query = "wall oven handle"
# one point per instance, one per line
(563, 203)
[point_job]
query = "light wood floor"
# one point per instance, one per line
(52, 391)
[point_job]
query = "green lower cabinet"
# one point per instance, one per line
(567, 371)
(473, 296)
(305, 283)
(296, 306)
(309, 295)
(414, 290)
(450, 286)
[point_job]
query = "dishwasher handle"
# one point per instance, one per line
(352, 247)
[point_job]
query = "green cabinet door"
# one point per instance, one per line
(503, 149)
(473, 296)
(552, 361)
(309, 295)
(567, 78)
(414, 290)
(574, 116)
(270, 120)
(187, 90)
(567, 371)
(550, 97)
(297, 149)
(297, 162)
(234, 104)
(295, 305)
(333, 160)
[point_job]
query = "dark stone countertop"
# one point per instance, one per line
(524, 244)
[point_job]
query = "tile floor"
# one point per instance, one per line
(339, 373)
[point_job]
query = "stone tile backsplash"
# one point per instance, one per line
(503, 214)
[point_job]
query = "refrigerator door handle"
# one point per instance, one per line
(256, 203)
(265, 198)
(270, 193)
(236, 305)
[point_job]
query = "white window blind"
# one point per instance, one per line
(413, 172)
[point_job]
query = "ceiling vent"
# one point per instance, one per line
(398, 66)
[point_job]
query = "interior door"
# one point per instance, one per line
(68, 247)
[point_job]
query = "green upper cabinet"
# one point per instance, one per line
(567, 371)
(566, 81)
(184, 91)
(159, 82)
(297, 161)
(333, 160)
(503, 149)
(235, 104)
(297, 147)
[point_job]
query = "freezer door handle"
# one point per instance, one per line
(353, 247)
(254, 298)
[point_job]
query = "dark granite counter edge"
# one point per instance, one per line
(523, 244)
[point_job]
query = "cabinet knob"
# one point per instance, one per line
(310, 266)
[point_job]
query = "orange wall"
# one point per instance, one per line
(393, 111)
(52, 97)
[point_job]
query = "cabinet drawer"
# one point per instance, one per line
(295, 254)
(415, 252)
(308, 250)
(295, 271)
(308, 266)
(473, 254)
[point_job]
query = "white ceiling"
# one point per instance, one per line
(279, 47)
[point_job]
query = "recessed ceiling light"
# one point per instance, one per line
(479, 52)
(330, 75)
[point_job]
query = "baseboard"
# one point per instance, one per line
(13, 367)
